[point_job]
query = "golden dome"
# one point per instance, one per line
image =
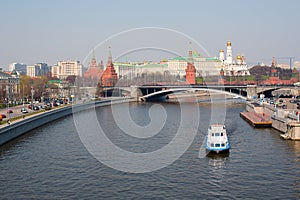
(239, 57)
(221, 50)
(228, 43)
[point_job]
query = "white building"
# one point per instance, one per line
(204, 66)
(138, 69)
(19, 67)
(231, 67)
(63, 69)
(39, 69)
(32, 70)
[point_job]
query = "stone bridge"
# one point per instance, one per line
(146, 91)
(161, 95)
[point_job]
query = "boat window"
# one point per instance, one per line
(212, 145)
(223, 145)
(212, 134)
(221, 134)
(217, 145)
(217, 134)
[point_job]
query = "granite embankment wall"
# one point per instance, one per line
(21, 127)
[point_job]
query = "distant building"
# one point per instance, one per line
(63, 69)
(9, 86)
(39, 69)
(32, 70)
(44, 69)
(19, 67)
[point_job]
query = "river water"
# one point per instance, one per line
(51, 162)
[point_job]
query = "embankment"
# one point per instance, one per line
(18, 128)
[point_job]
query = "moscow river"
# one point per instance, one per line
(51, 162)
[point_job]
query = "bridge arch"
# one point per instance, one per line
(159, 95)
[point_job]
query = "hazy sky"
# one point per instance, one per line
(48, 31)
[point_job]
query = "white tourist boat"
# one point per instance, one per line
(216, 139)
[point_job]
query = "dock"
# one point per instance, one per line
(256, 119)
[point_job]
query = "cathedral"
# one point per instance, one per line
(231, 67)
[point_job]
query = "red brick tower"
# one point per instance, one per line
(94, 72)
(109, 77)
(190, 70)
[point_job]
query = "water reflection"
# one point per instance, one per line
(217, 161)
(295, 148)
(217, 167)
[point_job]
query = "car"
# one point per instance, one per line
(9, 111)
(30, 107)
(24, 110)
(284, 106)
(36, 108)
(47, 107)
(3, 116)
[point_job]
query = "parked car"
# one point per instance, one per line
(284, 106)
(3, 116)
(36, 108)
(9, 111)
(24, 110)
(293, 101)
(47, 107)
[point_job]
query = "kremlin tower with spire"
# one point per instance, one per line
(94, 71)
(190, 70)
(109, 77)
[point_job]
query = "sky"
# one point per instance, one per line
(33, 31)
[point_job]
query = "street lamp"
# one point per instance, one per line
(32, 93)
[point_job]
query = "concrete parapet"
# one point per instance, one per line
(19, 128)
(279, 123)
